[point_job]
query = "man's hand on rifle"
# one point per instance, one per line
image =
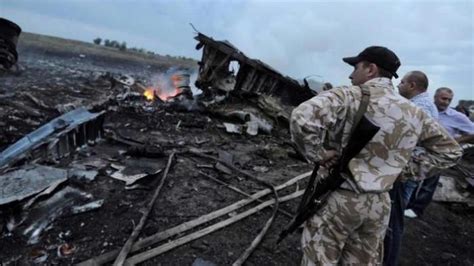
(329, 159)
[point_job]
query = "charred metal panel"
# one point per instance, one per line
(58, 138)
(253, 75)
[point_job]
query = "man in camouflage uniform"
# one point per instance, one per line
(351, 226)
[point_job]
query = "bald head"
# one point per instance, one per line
(412, 84)
(419, 79)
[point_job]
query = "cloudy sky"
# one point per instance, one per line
(298, 38)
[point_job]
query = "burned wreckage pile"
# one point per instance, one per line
(99, 166)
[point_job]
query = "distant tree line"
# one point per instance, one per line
(111, 43)
(123, 47)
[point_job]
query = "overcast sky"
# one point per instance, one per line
(298, 38)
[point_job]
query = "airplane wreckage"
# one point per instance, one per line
(99, 167)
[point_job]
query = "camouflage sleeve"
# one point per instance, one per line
(311, 120)
(440, 150)
(413, 170)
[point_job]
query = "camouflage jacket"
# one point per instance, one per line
(325, 121)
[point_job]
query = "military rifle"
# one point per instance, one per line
(315, 195)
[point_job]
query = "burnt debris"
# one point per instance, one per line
(9, 33)
(58, 138)
(253, 76)
(90, 145)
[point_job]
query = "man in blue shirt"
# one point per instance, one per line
(460, 128)
(456, 123)
(414, 86)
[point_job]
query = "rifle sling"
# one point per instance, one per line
(364, 102)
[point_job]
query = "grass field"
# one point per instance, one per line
(65, 46)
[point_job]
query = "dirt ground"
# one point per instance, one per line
(443, 236)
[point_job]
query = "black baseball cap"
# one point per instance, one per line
(379, 55)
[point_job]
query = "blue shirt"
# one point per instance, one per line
(425, 102)
(456, 123)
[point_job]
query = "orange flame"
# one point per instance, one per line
(149, 94)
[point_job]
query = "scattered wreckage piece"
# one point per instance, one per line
(228, 158)
(87, 207)
(58, 138)
(68, 200)
(44, 193)
(261, 169)
(229, 186)
(134, 170)
(447, 191)
(123, 174)
(83, 174)
(119, 261)
(456, 183)
(253, 76)
(28, 181)
(269, 222)
(125, 80)
(87, 169)
(470, 181)
(179, 229)
(38, 255)
(65, 250)
(233, 128)
(254, 121)
(101, 104)
(151, 253)
(9, 33)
